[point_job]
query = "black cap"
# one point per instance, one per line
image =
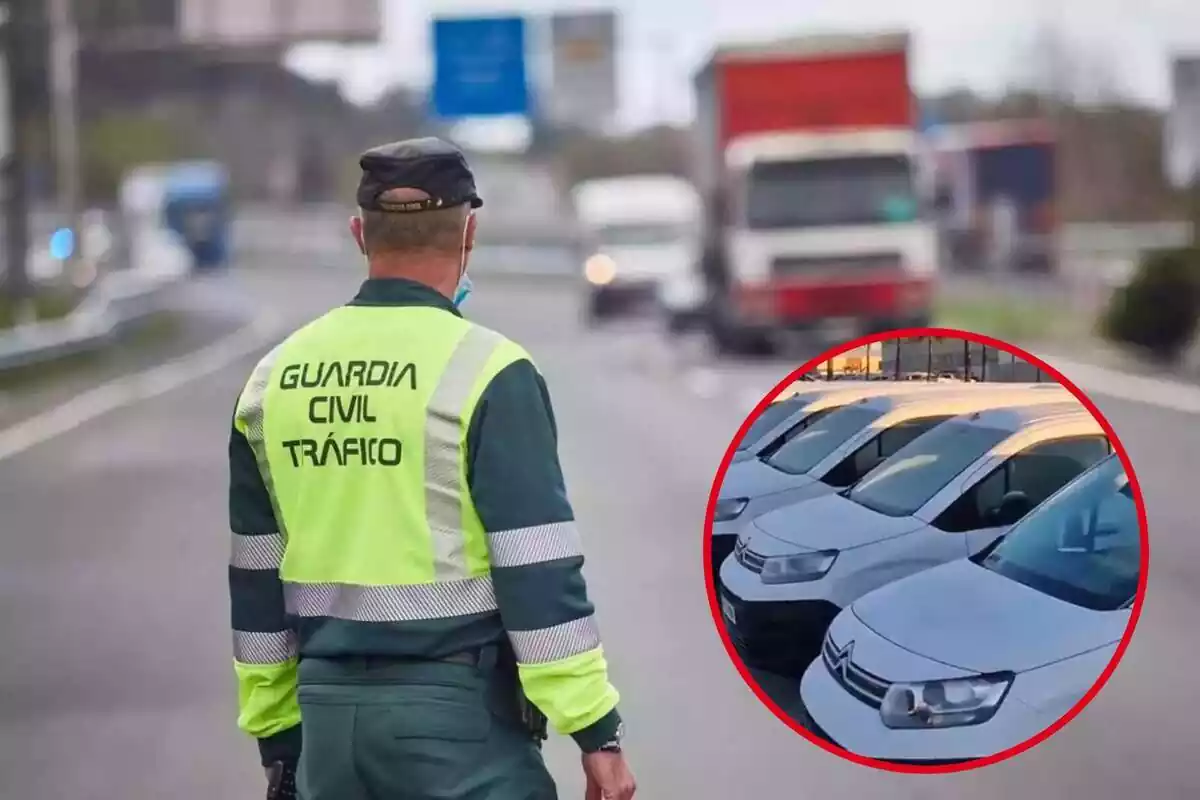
(429, 164)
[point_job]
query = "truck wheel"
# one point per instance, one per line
(725, 338)
(734, 341)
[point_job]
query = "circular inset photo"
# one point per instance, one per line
(926, 551)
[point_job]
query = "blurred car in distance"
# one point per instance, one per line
(638, 234)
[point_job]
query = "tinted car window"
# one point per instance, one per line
(771, 416)
(802, 452)
(1083, 546)
(870, 455)
(906, 481)
(1037, 472)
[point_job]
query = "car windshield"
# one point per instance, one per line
(638, 235)
(1083, 545)
(770, 417)
(845, 191)
(922, 468)
(803, 452)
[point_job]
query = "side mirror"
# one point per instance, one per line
(1013, 508)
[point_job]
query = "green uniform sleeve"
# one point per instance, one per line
(264, 646)
(517, 488)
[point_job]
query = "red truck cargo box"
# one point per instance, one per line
(842, 91)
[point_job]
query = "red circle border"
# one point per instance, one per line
(1135, 615)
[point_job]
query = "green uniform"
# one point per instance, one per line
(403, 553)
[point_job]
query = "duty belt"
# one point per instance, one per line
(471, 658)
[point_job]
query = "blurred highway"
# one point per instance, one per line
(115, 679)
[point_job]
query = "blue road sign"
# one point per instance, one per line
(479, 67)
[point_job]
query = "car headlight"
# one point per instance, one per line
(797, 568)
(944, 704)
(600, 270)
(730, 508)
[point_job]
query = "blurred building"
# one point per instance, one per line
(283, 137)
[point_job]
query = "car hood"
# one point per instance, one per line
(973, 619)
(753, 478)
(829, 522)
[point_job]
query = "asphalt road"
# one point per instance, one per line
(114, 672)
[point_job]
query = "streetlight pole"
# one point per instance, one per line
(15, 32)
(64, 50)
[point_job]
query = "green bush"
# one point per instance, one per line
(1159, 308)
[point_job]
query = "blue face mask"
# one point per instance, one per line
(464, 281)
(463, 291)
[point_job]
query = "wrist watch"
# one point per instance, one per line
(613, 745)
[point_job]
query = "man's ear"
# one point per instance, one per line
(469, 238)
(357, 233)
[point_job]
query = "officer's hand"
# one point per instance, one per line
(281, 781)
(608, 777)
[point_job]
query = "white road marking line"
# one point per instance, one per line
(129, 389)
(703, 383)
(1125, 386)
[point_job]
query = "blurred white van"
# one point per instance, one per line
(638, 235)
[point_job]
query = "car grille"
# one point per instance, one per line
(865, 686)
(748, 558)
(842, 266)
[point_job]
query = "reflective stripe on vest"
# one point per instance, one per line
(419, 551)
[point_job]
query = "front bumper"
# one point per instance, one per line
(720, 548)
(622, 297)
(781, 637)
(874, 303)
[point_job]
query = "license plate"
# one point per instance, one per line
(728, 610)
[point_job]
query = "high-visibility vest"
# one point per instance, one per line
(374, 444)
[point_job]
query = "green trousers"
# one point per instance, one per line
(415, 731)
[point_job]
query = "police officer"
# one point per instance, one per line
(406, 586)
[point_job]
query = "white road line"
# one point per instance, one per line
(1125, 386)
(129, 389)
(703, 383)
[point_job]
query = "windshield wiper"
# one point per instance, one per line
(983, 554)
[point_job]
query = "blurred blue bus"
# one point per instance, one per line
(196, 206)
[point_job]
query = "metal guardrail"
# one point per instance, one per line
(318, 233)
(119, 301)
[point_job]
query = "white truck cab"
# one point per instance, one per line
(825, 229)
(946, 495)
(639, 239)
(974, 657)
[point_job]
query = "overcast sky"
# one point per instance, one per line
(980, 45)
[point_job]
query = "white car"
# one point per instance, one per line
(785, 418)
(780, 411)
(977, 656)
(637, 231)
(820, 456)
(946, 495)
(780, 422)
